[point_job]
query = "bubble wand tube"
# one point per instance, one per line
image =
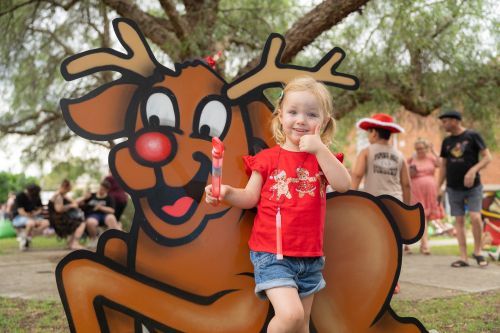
(279, 239)
(217, 158)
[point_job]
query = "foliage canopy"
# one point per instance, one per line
(418, 55)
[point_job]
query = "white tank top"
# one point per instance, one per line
(383, 170)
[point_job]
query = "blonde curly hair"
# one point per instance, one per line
(421, 141)
(318, 89)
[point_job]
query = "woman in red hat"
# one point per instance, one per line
(381, 165)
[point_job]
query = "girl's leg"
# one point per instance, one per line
(92, 224)
(40, 226)
(424, 242)
(110, 221)
(74, 239)
(288, 310)
(307, 303)
(30, 225)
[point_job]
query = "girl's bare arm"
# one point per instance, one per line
(244, 198)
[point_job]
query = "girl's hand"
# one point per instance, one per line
(311, 143)
(210, 199)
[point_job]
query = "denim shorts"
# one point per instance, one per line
(20, 221)
(301, 273)
(100, 217)
(473, 198)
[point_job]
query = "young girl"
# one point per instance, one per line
(288, 183)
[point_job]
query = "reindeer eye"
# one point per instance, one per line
(161, 111)
(212, 119)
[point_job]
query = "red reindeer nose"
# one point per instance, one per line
(153, 146)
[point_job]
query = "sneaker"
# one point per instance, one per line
(23, 243)
(92, 243)
(28, 242)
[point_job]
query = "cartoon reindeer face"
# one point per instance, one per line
(170, 121)
(171, 142)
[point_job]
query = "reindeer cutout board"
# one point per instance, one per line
(184, 266)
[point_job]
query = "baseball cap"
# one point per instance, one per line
(451, 114)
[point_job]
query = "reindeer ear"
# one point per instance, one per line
(260, 115)
(100, 115)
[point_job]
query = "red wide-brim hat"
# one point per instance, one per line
(382, 121)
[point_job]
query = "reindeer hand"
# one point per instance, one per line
(311, 143)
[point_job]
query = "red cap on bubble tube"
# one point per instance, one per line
(217, 148)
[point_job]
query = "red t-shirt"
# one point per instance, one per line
(294, 182)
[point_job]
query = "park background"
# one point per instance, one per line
(414, 59)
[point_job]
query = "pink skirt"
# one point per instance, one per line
(423, 190)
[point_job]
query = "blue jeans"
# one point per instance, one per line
(302, 273)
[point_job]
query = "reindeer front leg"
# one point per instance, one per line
(113, 244)
(82, 281)
(362, 258)
(361, 263)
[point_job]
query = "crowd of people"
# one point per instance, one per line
(71, 219)
(463, 153)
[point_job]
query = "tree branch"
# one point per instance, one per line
(179, 24)
(201, 16)
(158, 34)
(350, 100)
(13, 128)
(193, 8)
(66, 7)
(67, 49)
(29, 2)
(16, 7)
(310, 26)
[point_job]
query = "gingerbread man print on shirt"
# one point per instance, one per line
(281, 186)
(307, 184)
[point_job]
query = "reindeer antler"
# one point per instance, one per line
(270, 72)
(138, 59)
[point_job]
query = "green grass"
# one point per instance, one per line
(9, 245)
(450, 250)
(470, 313)
(18, 316)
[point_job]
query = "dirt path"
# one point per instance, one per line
(30, 275)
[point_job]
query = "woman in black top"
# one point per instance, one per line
(65, 216)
